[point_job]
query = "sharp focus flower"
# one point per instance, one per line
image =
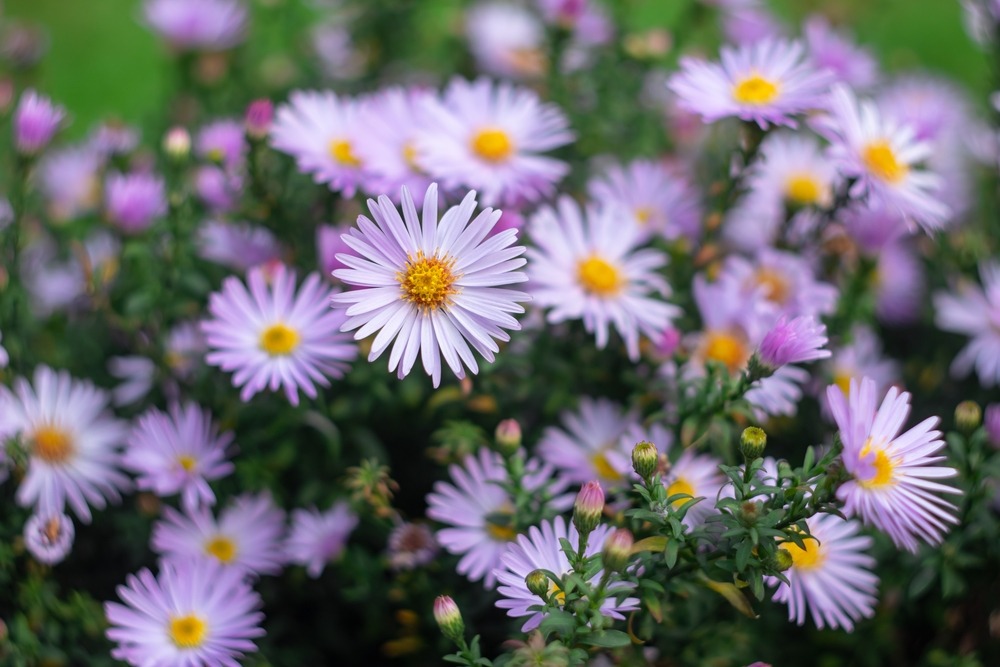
(72, 442)
(271, 336)
(434, 288)
(316, 538)
(587, 265)
(768, 82)
(198, 25)
(134, 201)
(248, 535)
(178, 452)
(540, 549)
(794, 341)
(831, 575)
(194, 613)
(975, 312)
(36, 120)
(49, 538)
(892, 486)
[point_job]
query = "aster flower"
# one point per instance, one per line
(831, 575)
(784, 283)
(185, 348)
(899, 284)
(72, 443)
(247, 536)
(134, 201)
(338, 56)
(316, 538)
(218, 188)
(491, 137)
(238, 245)
(36, 120)
(892, 473)
(835, 52)
(767, 82)
(698, 476)
(540, 549)
(862, 357)
(321, 130)
(135, 376)
(258, 118)
(69, 182)
(586, 265)
(411, 545)
(49, 538)
(272, 336)
(198, 25)
(178, 452)
(433, 288)
(975, 312)
(506, 40)
(112, 138)
(194, 613)
(222, 142)
(793, 341)
(479, 512)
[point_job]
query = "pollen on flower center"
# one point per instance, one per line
(811, 556)
(223, 548)
(843, 382)
(599, 277)
(427, 282)
(51, 444)
(644, 214)
(410, 157)
(343, 153)
(755, 90)
(500, 525)
(727, 349)
(493, 145)
(680, 485)
(556, 593)
(803, 189)
(187, 631)
(604, 468)
(279, 340)
(187, 462)
(884, 468)
(880, 159)
(774, 283)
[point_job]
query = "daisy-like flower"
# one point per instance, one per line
(434, 288)
(185, 348)
(587, 266)
(248, 535)
(784, 283)
(134, 201)
(480, 513)
(892, 486)
(506, 40)
(768, 82)
(883, 156)
(698, 476)
(194, 613)
(975, 312)
(836, 52)
(862, 357)
(411, 545)
(238, 245)
(198, 25)
(135, 377)
(491, 137)
(72, 442)
(321, 130)
(70, 183)
(540, 549)
(793, 341)
(179, 452)
(222, 142)
(271, 336)
(316, 538)
(659, 201)
(217, 188)
(831, 575)
(49, 539)
(36, 120)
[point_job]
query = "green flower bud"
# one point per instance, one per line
(538, 583)
(968, 416)
(449, 618)
(617, 550)
(781, 561)
(644, 459)
(752, 443)
(508, 437)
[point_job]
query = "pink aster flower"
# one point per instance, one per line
(794, 341)
(135, 377)
(587, 265)
(248, 535)
(185, 348)
(784, 283)
(892, 486)
(411, 545)
(491, 137)
(974, 312)
(316, 538)
(506, 40)
(49, 538)
(768, 82)
(218, 188)
(434, 288)
(198, 25)
(837, 53)
(540, 549)
(238, 245)
(321, 131)
(272, 336)
(113, 139)
(179, 452)
(194, 613)
(36, 120)
(69, 182)
(72, 443)
(861, 357)
(222, 142)
(831, 575)
(134, 201)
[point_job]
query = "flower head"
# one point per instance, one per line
(506, 40)
(834, 51)
(36, 120)
(135, 377)
(316, 538)
(68, 179)
(238, 245)
(975, 312)
(134, 201)
(222, 142)
(411, 545)
(198, 25)
(794, 341)
(49, 538)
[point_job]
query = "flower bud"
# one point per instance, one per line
(617, 550)
(752, 443)
(645, 459)
(781, 561)
(538, 583)
(177, 143)
(258, 119)
(449, 618)
(508, 437)
(588, 507)
(968, 416)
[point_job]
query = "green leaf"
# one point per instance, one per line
(670, 554)
(608, 639)
(559, 622)
(655, 543)
(731, 593)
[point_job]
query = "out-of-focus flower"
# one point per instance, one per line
(238, 245)
(134, 201)
(218, 188)
(177, 143)
(411, 545)
(135, 376)
(258, 118)
(434, 289)
(794, 341)
(49, 538)
(335, 49)
(591, 444)
(779, 283)
(506, 40)
(899, 285)
(329, 244)
(698, 476)
(36, 120)
(834, 51)
(316, 538)
(112, 139)
(198, 25)
(975, 312)
(991, 422)
(746, 22)
(862, 357)
(185, 348)
(222, 142)
(273, 336)
(194, 612)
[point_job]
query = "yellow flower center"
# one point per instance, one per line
(775, 284)
(52, 529)
(222, 548)
(279, 340)
(755, 90)
(604, 468)
(680, 485)
(556, 594)
(187, 462)
(810, 557)
(427, 281)
(727, 349)
(343, 153)
(599, 277)
(500, 524)
(881, 161)
(843, 382)
(644, 214)
(803, 189)
(187, 631)
(410, 157)
(493, 145)
(51, 444)
(884, 468)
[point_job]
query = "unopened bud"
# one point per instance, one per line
(968, 416)
(177, 143)
(750, 512)
(752, 443)
(781, 561)
(645, 459)
(449, 618)
(538, 583)
(617, 550)
(588, 508)
(258, 119)
(508, 437)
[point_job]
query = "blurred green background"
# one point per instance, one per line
(103, 62)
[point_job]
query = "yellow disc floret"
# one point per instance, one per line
(428, 282)
(880, 160)
(343, 152)
(223, 548)
(187, 631)
(809, 557)
(599, 277)
(51, 444)
(279, 340)
(727, 349)
(493, 145)
(884, 467)
(756, 90)
(803, 190)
